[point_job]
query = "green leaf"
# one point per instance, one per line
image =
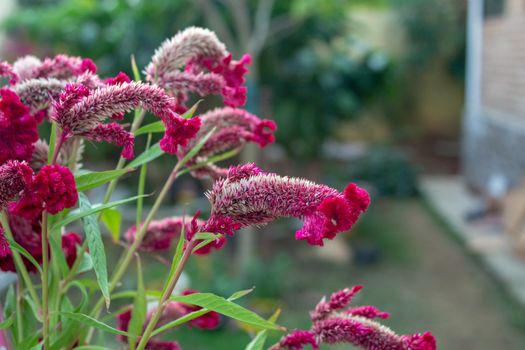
(135, 69)
(240, 294)
(176, 257)
(15, 246)
(112, 219)
(91, 347)
(52, 142)
(190, 112)
(152, 153)
(7, 322)
(196, 148)
(257, 343)
(87, 181)
(80, 213)
(86, 263)
(34, 308)
(96, 247)
(58, 260)
(151, 128)
(91, 322)
(138, 315)
(225, 307)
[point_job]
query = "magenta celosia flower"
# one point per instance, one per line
(113, 133)
(6, 70)
(18, 128)
(297, 340)
(15, 177)
(161, 233)
(79, 111)
(4, 244)
(60, 67)
(332, 324)
(53, 189)
(70, 242)
(234, 128)
(195, 61)
(37, 94)
(247, 196)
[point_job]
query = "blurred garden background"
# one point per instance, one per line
(420, 101)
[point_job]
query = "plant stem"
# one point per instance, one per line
(45, 282)
(137, 121)
(126, 258)
(20, 266)
(19, 314)
(171, 283)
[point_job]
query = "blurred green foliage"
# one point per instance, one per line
(318, 74)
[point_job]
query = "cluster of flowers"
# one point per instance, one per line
(334, 322)
(67, 91)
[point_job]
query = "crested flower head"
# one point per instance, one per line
(297, 340)
(248, 196)
(60, 67)
(15, 177)
(161, 233)
(53, 189)
(194, 60)
(6, 70)
(80, 111)
(18, 128)
(233, 129)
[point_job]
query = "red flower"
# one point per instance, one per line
(18, 128)
(70, 242)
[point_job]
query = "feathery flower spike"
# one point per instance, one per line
(234, 128)
(248, 196)
(194, 60)
(15, 177)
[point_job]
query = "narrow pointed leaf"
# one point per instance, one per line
(112, 219)
(87, 181)
(15, 246)
(152, 153)
(90, 321)
(151, 128)
(196, 148)
(80, 213)
(96, 247)
(138, 315)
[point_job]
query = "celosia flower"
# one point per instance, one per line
(194, 60)
(161, 233)
(80, 111)
(4, 244)
(356, 325)
(234, 128)
(70, 242)
(247, 196)
(6, 70)
(18, 128)
(53, 189)
(297, 340)
(209, 320)
(15, 177)
(60, 67)
(38, 93)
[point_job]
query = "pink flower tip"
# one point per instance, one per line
(88, 65)
(178, 132)
(425, 341)
(120, 78)
(357, 196)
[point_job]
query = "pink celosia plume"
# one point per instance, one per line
(248, 196)
(195, 61)
(79, 111)
(60, 67)
(15, 177)
(233, 129)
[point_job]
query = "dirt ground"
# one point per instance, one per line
(424, 278)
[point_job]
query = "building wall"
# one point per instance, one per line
(494, 141)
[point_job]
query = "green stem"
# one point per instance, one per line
(45, 282)
(129, 253)
(20, 266)
(168, 290)
(137, 121)
(19, 314)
